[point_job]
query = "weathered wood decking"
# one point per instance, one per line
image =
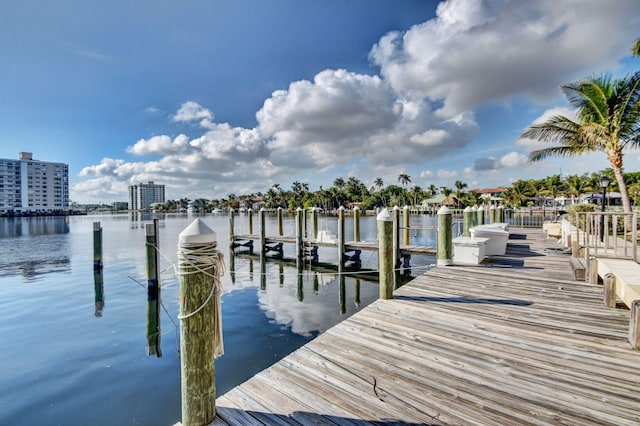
(512, 341)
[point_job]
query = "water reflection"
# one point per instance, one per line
(98, 285)
(33, 246)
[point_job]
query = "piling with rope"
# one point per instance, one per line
(385, 253)
(445, 237)
(153, 290)
(200, 267)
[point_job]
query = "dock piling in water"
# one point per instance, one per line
(445, 237)
(97, 245)
(356, 224)
(280, 231)
(200, 268)
(492, 214)
(153, 290)
(407, 225)
(467, 215)
(250, 219)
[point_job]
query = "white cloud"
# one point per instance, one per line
(447, 174)
(193, 111)
(474, 51)
(510, 160)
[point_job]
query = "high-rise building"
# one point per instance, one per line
(29, 186)
(143, 195)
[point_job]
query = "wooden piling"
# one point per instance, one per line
(480, 216)
(97, 245)
(492, 214)
(593, 270)
(474, 217)
(396, 238)
(445, 237)
(299, 237)
(341, 239)
(231, 229)
(385, 253)
(200, 268)
(98, 287)
(356, 224)
(467, 217)
(263, 232)
(610, 290)
(153, 290)
(634, 324)
(500, 214)
(314, 222)
(250, 219)
(407, 225)
(280, 231)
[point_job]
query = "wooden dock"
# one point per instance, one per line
(514, 341)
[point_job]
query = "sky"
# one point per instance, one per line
(219, 97)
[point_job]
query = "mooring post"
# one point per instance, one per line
(407, 225)
(97, 245)
(385, 253)
(445, 237)
(280, 232)
(263, 232)
(356, 223)
(467, 217)
(98, 287)
(231, 229)
(200, 268)
(480, 213)
(340, 239)
(153, 290)
(299, 239)
(500, 214)
(474, 217)
(492, 214)
(396, 237)
(314, 222)
(250, 219)
(342, 294)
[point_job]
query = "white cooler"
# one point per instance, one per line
(497, 244)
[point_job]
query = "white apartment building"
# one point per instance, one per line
(29, 186)
(143, 195)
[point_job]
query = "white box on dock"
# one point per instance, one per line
(498, 237)
(469, 250)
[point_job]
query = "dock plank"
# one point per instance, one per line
(515, 340)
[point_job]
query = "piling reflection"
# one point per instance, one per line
(98, 286)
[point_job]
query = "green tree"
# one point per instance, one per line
(404, 179)
(460, 186)
(518, 193)
(378, 183)
(635, 49)
(576, 186)
(608, 111)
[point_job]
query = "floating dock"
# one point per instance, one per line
(515, 340)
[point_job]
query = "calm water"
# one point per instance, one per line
(69, 360)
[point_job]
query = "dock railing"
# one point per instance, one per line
(607, 234)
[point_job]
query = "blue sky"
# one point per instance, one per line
(218, 97)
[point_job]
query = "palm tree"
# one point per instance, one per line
(519, 192)
(460, 186)
(576, 186)
(404, 179)
(378, 183)
(608, 110)
(635, 49)
(553, 186)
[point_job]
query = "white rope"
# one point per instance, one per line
(206, 260)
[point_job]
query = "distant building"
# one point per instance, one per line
(141, 196)
(29, 186)
(491, 195)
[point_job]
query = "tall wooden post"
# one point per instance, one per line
(340, 239)
(231, 229)
(492, 214)
(407, 225)
(342, 294)
(299, 238)
(314, 222)
(474, 218)
(356, 223)
(500, 214)
(280, 232)
(480, 216)
(98, 287)
(153, 290)
(445, 237)
(250, 219)
(467, 217)
(396, 238)
(97, 245)
(200, 268)
(385, 253)
(263, 232)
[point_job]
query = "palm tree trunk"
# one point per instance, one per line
(626, 203)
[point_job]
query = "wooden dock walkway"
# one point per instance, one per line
(514, 341)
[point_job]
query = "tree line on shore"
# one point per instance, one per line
(352, 192)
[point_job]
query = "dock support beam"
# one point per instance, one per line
(385, 253)
(250, 219)
(280, 231)
(500, 214)
(231, 229)
(263, 232)
(340, 239)
(445, 237)
(492, 214)
(467, 215)
(480, 216)
(396, 237)
(200, 268)
(314, 222)
(299, 239)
